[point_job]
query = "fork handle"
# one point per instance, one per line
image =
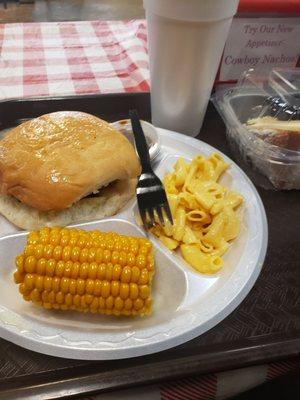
(140, 141)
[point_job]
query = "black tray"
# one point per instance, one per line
(264, 328)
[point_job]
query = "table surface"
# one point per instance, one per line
(265, 327)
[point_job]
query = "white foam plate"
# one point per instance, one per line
(186, 304)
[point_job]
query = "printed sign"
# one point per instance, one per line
(263, 43)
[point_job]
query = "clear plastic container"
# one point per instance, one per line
(270, 156)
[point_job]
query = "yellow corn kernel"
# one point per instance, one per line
(66, 253)
(124, 291)
(48, 251)
(130, 259)
(105, 290)
(109, 302)
(80, 286)
(69, 299)
(77, 300)
(57, 252)
(73, 242)
(59, 297)
(89, 242)
(126, 275)
(64, 285)
(23, 289)
(29, 281)
(90, 285)
(119, 304)
(134, 291)
(18, 278)
(64, 241)
(117, 270)
(93, 268)
(72, 286)
(144, 291)
(148, 303)
(101, 271)
(138, 304)
(38, 251)
(128, 304)
(59, 268)
(29, 250)
(50, 267)
(45, 296)
(115, 257)
(150, 262)
(91, 254)
(20, 263)
(75, 270)
(106, 256)
(134, 248)
(33, 238)
(81, 241)
(52, 297)
(84, 270)
(110, 245)
(55, 284)
(30, 264)
(41, 266)
(68, 269)
(97, 287)
(35, 295)
(26, 297)
(122, 258)
(141, 261)
(115, 288)
(99, 255)
(83, 255)
(75, 253)
(97, 272)
(39, 282)
(94, 305)
(109, 272)
(101, 303)
(144, 277)
(48, 283)
(135, 274)
(88, 299)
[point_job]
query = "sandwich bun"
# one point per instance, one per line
(108, 203)
(50, 164)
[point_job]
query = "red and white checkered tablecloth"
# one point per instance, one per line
(40, 59)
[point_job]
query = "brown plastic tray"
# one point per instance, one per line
(264, 328)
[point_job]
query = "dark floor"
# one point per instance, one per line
(71, 10)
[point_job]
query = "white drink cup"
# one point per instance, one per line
(185, 39)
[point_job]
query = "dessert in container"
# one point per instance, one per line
(152, 138)
(270, 159)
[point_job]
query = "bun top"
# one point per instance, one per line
(54, 160)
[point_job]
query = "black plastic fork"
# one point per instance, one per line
(151, 195)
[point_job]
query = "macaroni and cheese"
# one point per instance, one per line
(204, 212)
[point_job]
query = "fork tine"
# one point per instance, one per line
(160, 215)
(144, 218)
(167, 210)
(151, 215)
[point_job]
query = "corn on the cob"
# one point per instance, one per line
(72, 269)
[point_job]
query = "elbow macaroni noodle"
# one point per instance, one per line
(204, 213)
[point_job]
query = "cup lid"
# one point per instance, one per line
(193, 10)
